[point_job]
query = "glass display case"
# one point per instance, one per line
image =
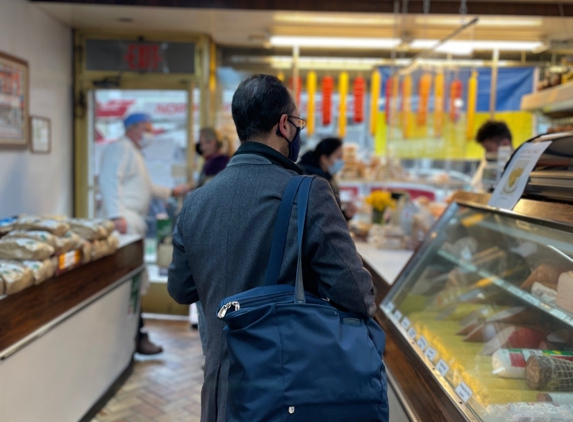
(486, 304)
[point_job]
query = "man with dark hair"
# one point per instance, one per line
(223, 238)
(494, 137)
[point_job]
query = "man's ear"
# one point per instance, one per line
(283, 126)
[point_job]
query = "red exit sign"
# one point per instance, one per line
(143, 56)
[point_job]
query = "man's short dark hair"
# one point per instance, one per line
(494, 130)
(258, 105)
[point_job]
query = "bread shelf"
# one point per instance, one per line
(556, 102)
(511, 289)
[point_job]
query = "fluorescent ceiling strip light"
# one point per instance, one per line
(460, 45)
(334, 42)
(334, 19)
(483, 21)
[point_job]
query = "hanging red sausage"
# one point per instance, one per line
(298, 89)
(359, 88)
(327, 88)
(455, 99)
(388, 100)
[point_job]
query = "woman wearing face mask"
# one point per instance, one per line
(325, 161)
(209, 147)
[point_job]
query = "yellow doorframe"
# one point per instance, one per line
(86, 81)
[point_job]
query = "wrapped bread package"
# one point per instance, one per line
(89, 229)
(58, 228)
(87, 252)
(15, 277)
(510, 363)
(549, 373)
(60, 244)
(24, 249)
(113, 244)
(42, 270)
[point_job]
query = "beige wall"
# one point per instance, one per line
(38, 183)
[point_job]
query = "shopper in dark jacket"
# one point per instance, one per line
(223, 237)
(325, 161)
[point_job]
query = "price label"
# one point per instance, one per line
(442, 368)
(422, 343)
(397, 315)
(412, 333)
(464, 392)
(406, 323)
(390, 307)
(431, 354)
(68, 260)
(534, 301)
(516, 291)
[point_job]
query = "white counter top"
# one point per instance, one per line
(127, 239)
(386, 262)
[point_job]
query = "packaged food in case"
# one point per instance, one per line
(565, 291)
(24, 249)
(556, 398)
(549, 373)
(510, 363)
(515, 338)
(42, 270)
(15, 277)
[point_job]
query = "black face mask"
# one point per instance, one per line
(198, 149)
(294, 145)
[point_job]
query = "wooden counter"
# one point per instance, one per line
(67, 343)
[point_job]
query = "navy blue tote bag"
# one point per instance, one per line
(295, 357)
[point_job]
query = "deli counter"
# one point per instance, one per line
(480, 321)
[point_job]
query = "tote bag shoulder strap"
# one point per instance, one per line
(281, 230)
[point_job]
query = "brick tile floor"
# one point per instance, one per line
(165, 388)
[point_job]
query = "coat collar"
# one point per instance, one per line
(269, 153)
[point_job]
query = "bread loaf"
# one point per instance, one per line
(15, 277)
(58, 228)
(24, 249)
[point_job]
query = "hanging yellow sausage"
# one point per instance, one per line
(342, 94)
(424, 88)
(472, 104)
(375, 85)
(311, 104)
(281, 76)
(439, 104)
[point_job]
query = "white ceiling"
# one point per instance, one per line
(248, 28)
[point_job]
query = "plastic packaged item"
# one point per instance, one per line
(89, 229)
(42, 270)
(565, 291)
(58, 228)
(510, 363)
(528, 412)
(556, 398)
(15, 277)
(24, 249)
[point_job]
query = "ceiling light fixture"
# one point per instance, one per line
(334, 42)
(460, 45)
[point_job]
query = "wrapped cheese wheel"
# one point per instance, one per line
(549, 373)
(510, 363)
(24, 249)
(59, 228)
(15, 277)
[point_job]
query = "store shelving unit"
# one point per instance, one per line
(556, 102)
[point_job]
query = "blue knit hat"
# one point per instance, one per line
(135, 118)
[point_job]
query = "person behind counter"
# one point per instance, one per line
(492, 136)
(209, 148)
(325, 161)
(127, 190)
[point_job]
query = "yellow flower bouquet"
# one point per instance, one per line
(380, 200)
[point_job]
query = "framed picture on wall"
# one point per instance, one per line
(40, 135)
(14, 101)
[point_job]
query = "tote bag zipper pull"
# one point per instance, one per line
(223, 311)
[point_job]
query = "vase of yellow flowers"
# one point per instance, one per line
(380, 201)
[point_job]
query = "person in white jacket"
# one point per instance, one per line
(127, 191)
(125, 185)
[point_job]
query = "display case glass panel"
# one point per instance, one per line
(487, 304)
